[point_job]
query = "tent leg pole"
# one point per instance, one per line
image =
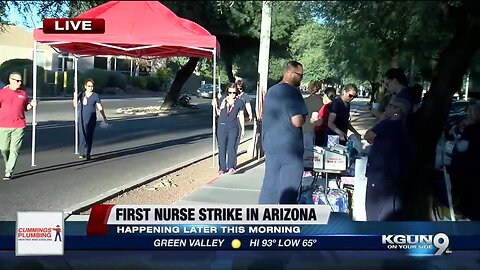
(75, 87)
(34, 114)
(213, 110)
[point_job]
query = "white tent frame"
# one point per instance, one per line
(75, 66)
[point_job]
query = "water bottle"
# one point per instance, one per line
(317, 195)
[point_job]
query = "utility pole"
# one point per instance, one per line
(255, 149)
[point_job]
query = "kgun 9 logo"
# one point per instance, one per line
(439, 241)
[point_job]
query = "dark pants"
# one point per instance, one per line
(383, 200)
(58, 235)
(86, 128)
(320, 138)
(227, 147)
(282, 180)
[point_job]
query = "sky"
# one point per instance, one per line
(15, 18)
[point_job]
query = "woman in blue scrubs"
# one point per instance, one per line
(230, 123)
(87, 105)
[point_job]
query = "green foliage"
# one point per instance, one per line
(246, 64)
(117, 79)
(308, 44)
(100, 77)
(24, 67)
(205, 68)
(139, 82)
(164, 75)
(275, 68)
(367, 37)
(153, 83)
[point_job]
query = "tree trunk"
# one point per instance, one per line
(228, 58)
(375, 87)
(430, 119)
(180, 78)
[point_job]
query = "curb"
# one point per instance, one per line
(85, 205)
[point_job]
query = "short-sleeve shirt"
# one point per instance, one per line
(13, 105)
(279, 136)
(390, 151)
(245, 97)
(88, 110)
(324, 113)
(342, 112)
(229, 114)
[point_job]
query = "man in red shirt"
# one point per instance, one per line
(13, 104)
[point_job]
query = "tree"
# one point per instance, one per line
(181, 77)
(438, 33)
(308, 44)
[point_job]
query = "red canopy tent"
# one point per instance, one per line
(142, 29)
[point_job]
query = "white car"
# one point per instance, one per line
(206, 91)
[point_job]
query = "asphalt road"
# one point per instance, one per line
(129, 150)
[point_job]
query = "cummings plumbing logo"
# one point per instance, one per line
(39, 233)
(418, 244)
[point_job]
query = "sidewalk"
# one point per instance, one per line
(244, 186)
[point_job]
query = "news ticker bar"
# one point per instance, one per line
(104, 215)
(242, 242)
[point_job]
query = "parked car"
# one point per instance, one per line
(206, 91)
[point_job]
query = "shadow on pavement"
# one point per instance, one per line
(116, 154)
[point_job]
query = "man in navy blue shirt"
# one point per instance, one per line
(284, 113)
(338, 121)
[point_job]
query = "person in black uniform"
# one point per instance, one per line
(87, 105)
(339, 118)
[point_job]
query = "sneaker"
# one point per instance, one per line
(231, 170)
(8, 176)
(220, 172)
(307, 174)
(81, 157)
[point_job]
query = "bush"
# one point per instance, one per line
(100, 76)
(22, 65)
(139, 82)
(153, 83)
(164, 74)
(12, 63)
(117, 79)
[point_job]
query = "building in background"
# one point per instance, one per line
(17, 42)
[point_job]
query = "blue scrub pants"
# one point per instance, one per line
(282, 180)
(227, 147)
(86, 128)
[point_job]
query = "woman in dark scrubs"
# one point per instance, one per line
(87, 105)
(230, 128)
